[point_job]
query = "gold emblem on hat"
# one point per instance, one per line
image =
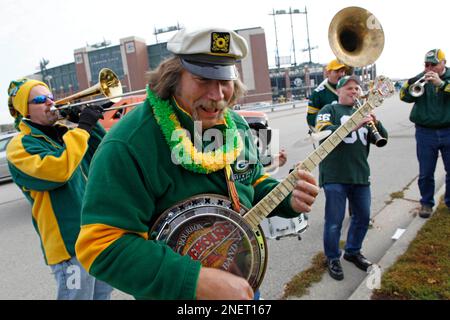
(220, 42)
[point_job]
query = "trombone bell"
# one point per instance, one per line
(108, 85)
(356, 37)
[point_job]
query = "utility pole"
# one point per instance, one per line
(307, 34)
(277, 54)
(293, 42)
(277, 58)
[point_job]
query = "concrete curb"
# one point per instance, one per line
(372, 280)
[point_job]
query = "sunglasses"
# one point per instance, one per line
(42, 99)
(430, 64)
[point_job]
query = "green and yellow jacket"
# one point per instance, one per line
(324, 94)
(432, 109)
(133, 180)
(52, 175)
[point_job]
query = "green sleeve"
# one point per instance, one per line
(120, 195)
(37, 166)
(382, 130)
(325, 119)
(446, 87)
(97, 134)
(147, 270)
(28, 182)
(314, 106)
(284, 209)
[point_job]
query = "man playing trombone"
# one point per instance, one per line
(430, 93)
(50, 162)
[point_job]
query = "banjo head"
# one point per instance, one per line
(207, 229)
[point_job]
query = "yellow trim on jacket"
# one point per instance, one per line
(95, 238)
(261, 179)
(52, 241)
(313, 110)
(51, 168)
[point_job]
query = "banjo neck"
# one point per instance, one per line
(264, 207)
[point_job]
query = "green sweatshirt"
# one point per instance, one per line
(432, 109)
(132, 181)
(320, 97)
(53, 177)
(347, 163)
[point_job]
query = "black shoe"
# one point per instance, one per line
(358, 260)
(425, 211)
(335, 269)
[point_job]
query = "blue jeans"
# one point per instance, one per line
(358, 197)
(74, 283)
(429, 143)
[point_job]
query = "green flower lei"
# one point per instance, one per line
(182, 148)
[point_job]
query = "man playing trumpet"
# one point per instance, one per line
(431, 115)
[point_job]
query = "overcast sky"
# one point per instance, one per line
(52, 29)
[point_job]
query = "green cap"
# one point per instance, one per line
(435, 56)
(343, 81)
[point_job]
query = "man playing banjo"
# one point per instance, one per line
(184, 141)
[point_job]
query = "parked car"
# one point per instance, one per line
(111, 117)
(259, 124)
(5, 175)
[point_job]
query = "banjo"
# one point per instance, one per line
(206, 228)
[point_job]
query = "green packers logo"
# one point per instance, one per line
(242, 166)
(220, 42)
(431, 54)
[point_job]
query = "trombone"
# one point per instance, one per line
(108, 85)
(418, 88)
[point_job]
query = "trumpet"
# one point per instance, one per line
(418, 88)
